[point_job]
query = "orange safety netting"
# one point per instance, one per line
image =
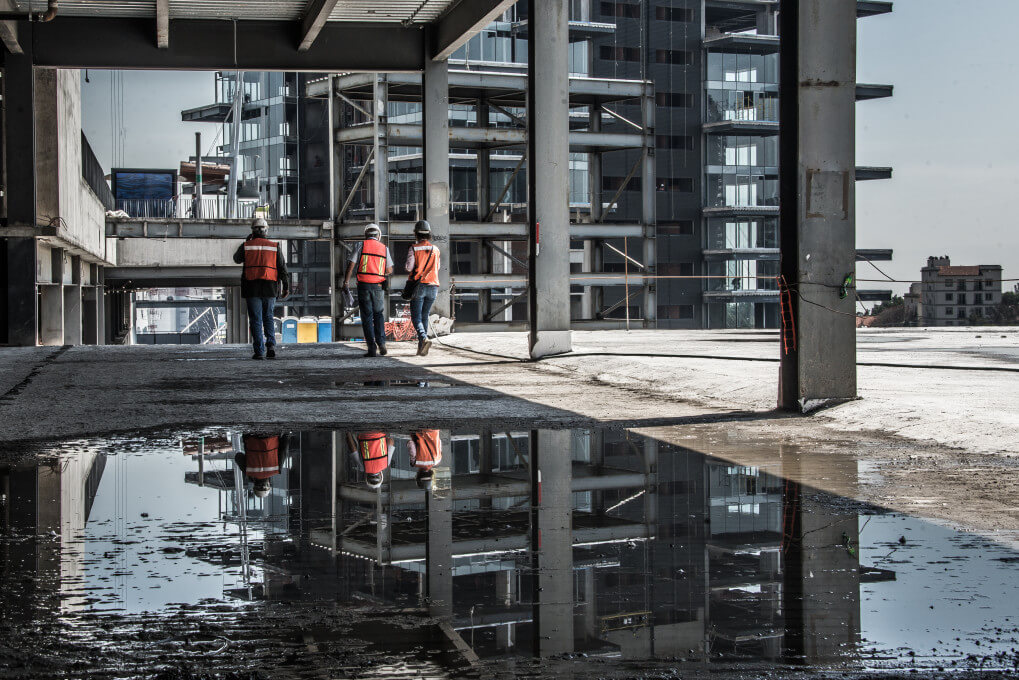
(400, 330)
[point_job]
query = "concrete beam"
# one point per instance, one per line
(137, 227)
(548, 183)
(156, 277)
(315, 17)
(462, 23)
(496, 231)
(163, 24)
(204, 45)
(818, 234)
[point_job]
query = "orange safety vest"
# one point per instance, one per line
(428, 449)
(374, 450)
(261, 456)
(426, 263)
(371, 268)
(260, 259)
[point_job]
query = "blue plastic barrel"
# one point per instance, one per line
(290, 329)
(325, 329)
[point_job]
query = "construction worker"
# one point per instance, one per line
(374, 450)
(263, 457)
(264, 278)
(425, 449)
(373, 263)
(423, 264)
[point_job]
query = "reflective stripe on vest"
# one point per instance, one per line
(427, 448)
(374, 451)
(422, 252)
(261, 456)
(371, 267)
(260, 260)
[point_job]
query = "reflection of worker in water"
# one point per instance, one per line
(425, 453)
(374, 450)
(263, 458)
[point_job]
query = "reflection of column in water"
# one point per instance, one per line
(821, 579)
(551, 541)
(439, 547)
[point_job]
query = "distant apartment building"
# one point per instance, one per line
(953, 295)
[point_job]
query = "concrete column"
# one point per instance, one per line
(381, 179)
(21, 304)
(100, 291)
(817, 174)
(648, 202)
(484, 169)
(551, 541)
(435, 113)
(547, 177)
(439, 546)
(51, 298)
(72, 315)
(236, 317)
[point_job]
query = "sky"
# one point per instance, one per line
(955, 171)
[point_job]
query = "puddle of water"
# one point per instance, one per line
(599, 543)
(406, 382)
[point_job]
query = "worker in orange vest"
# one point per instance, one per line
(264, 279)
(263, 458)
(423, 264)
(374, 450)
(425, 449)
(373, 263)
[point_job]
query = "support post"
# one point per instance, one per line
(435, 112)
(381, 184)
(547, 178)
(648, 207)
(818, 239)
(20, 187)
(439, 545)
(236, 317)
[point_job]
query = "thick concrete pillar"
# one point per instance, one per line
(817, 173)
(551, 541)
(435, 113)
(548, 177)
(21, 304)
(380, 108)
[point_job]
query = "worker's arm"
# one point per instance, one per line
(350, 272)
(239, 254)
(389, 263)
(409, 264)
(284, 449)
(241, 461)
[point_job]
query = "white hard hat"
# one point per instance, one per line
(259, 223)
(373, 480)
(372, 230)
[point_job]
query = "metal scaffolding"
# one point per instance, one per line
(488, 135)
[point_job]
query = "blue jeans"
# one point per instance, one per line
(421, 306)
(372, 301)
(260, 310)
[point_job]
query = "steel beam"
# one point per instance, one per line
(137, 227)
(462, 23)
(205, 45)
(548, 182)
(497, 231)
(435, 118)
(409, 134)
(9, 36)
(818, 234)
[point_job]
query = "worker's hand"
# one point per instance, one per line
(285, 295)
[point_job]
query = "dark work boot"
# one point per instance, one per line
(382, 350)
(257, 356)
(270, 352)
(371, 351)
(424, 344)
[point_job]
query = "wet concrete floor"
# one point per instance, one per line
(476, 552)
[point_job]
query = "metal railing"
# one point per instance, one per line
(94, 175)
(186, 207)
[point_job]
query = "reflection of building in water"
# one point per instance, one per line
(643, 549)
(44, 505)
